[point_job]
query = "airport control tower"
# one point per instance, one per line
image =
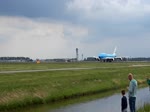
(77, 54)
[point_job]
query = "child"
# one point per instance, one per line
(123, 102)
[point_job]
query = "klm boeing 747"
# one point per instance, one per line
(108, 57)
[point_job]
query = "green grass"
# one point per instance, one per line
(23, 89)
(146, 108)
(34, 66)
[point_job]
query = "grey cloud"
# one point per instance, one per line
(39, 38)
(33, 8)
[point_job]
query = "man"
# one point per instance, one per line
(132, 92)
(148, 82)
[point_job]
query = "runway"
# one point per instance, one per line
(45, 70)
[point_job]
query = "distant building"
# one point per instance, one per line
(61, 60)
(15, 59)
(90, 59)
(138, 59)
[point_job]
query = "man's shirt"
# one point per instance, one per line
(133, 88)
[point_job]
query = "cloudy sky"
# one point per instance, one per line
(55, 28)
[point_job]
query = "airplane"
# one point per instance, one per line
(108, 57)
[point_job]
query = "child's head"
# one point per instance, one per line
(123, 92)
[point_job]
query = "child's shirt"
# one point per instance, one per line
(123, 103)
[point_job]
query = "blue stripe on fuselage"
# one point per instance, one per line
(104, 55)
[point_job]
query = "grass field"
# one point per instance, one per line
(146, 108)
(44, 66)
(23, 89)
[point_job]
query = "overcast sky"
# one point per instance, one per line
(55, 28)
